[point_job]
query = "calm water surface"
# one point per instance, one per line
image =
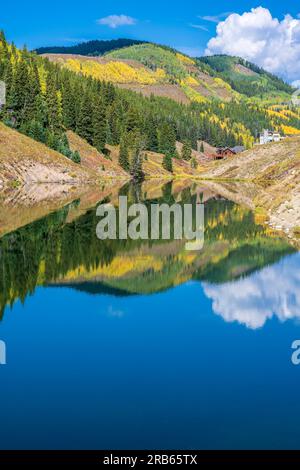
(138, 345)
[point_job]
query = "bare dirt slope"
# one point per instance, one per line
(24, 161)
(257, 163)
(94, 160)
(276, 169)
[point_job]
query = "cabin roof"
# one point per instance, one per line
(238, 149)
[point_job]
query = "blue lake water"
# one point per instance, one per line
(127, 354)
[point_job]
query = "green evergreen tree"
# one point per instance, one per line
(52, 103)
(167, 139)
(136, 166)
(71, 101)
(186, 153)
(69, 106)
(151, 133)
(133, 121)
(84, 126)
(136, 169)
(99, 125)
(124, 153)
(167, 162)
(76, 157)
(113, 125)
(20, 92)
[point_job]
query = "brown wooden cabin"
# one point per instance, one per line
(224, 152)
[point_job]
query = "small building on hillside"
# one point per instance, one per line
(267, 136)
(224, 152)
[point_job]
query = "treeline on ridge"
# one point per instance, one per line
(92, 48)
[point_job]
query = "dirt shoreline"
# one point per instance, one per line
(274, 169)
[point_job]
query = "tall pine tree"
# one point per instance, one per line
(84, 126)
(124, 153)
(99, 124)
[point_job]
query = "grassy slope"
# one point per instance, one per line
(148, 68)
(94, 160)
(153, 165)
(152, 161)
(23, 160)
(237, 71)
(194, 78)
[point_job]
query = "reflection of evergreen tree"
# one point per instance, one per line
(46, 250)
(168, 197)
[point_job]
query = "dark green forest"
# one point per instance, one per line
(91, 48)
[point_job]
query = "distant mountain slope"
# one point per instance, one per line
(194, 77)
(245, 77)
(220, 76)
(93, 48)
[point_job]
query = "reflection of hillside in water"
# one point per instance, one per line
(63, 249)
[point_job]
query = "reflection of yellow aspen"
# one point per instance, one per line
(120, 266)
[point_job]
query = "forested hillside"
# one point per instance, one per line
(162, 71)
(46, 99)
(247, 78)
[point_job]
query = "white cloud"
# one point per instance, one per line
(262, 39)
(215, 18)
(114, 21)
(272, 292)
(199, 26)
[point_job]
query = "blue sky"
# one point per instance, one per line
(60, 22)
(180, 24)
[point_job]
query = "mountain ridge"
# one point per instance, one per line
(152, 69)
(241, 75)
(94, 47)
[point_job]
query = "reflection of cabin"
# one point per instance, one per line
(224, 152)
